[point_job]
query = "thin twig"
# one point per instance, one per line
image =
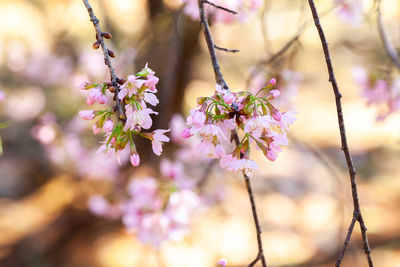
(107, 61)
(352, 172)
(220, 7)
(220, 80)
(226, 49)
(211, 46)
(387, 44)
(347, 240)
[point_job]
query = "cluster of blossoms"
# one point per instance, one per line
(378, 91)
(243, 116)
(244, 8)
(350, 11)
(135, 93)
(154, 209)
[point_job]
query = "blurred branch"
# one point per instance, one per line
(107, 54)
(282, 51)
(220, 80)
(387, 44)
(357, 216)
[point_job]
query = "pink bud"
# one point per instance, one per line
(102, 99)
(222, 263)
(96, 129)
(83, 86)
(271, 155)
(186, 133)
(90, 100)
(86, 114)
(276, 115)
(272, 81)
(135, 159)
(274, 93)
(108, 126)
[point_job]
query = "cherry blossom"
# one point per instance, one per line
(350, 11)
(378, 91)
(135, 93)
(252, 118)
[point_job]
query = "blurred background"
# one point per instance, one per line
(49, 168)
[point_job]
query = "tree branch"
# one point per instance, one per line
(220, 80)
(387, 44)
(352, 172)
(211, 46)
(107, 61)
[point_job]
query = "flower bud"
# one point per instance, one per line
(86, 114)
(95, 129)
(83, 86)
(106, 35)
(276, 114)
(96, 45)
(108, 126)
(271, 155)
(274, 93)
(111, 53)
(135, 159)
(186, 133)
(112, 89)
(121, 81)
(272, 81)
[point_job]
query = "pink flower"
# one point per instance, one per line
(350, 11)
(98, 205)
(172, 171)
(86, 114)
(130, 87)
(257, 125)
(139, 118)
(108, 126)
(143, 191)
(186, 133)
(274, 93)
(180, 206)
(222, 263)
(276, 114)
(158, 139)
(153, 229)
(83, 85)
(151, 82)
(135, 159)
(95, 94)
(2, 96)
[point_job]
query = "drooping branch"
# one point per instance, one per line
(220, 80)
(387, 44)
(107, 53)
(357, 216)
